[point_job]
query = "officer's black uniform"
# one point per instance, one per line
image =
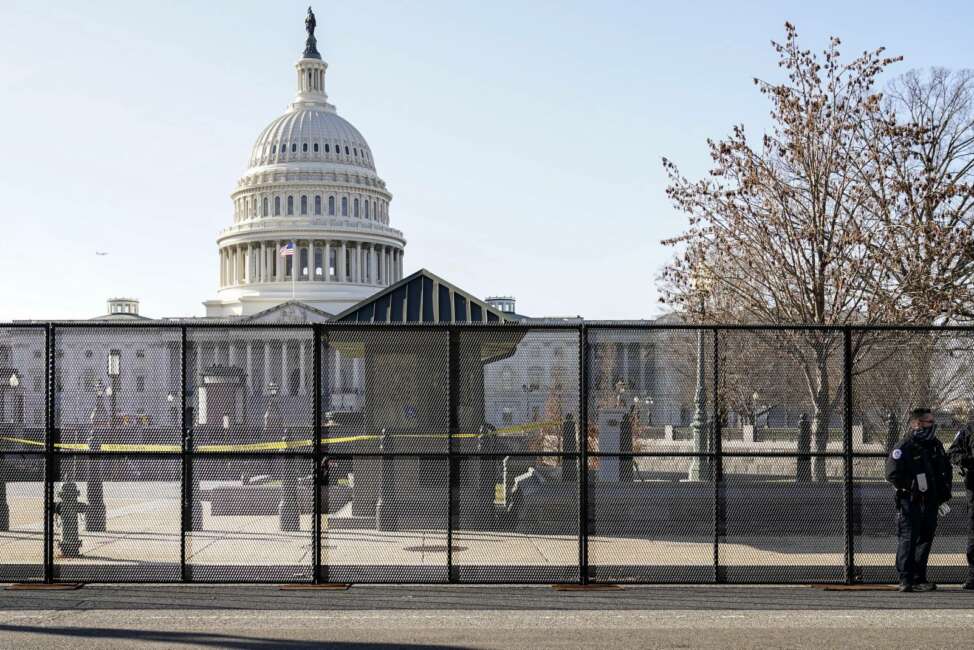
(917, 519)
(962, 456)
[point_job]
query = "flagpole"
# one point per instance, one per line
(294, 268)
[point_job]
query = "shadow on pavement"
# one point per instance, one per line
(195, 638)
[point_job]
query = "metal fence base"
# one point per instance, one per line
(45, 586)
(325, 586)
(589, 586)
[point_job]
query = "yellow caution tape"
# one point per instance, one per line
(273, 446)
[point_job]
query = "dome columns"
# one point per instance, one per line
(315, 260)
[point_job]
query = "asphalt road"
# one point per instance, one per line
(367, 617)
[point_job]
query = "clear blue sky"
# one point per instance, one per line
(521, 140)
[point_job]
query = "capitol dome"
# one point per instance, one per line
(311, 186)
(313, 135)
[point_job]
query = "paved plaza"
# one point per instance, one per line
(143, 523)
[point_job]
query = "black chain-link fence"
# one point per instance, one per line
(507, 453)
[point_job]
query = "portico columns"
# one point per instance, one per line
(311, 260)
(342, 262)
(326, 262)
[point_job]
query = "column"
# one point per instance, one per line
(326, 261)
(354, 262)
(263, 262)
(267, 366)
(301, 352)
(220, 255)
(311, 260)
(341, 264)
(250, 365)
(277, 260)
(283, 364)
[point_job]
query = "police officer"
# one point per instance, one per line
(962, 456)
(921, 473)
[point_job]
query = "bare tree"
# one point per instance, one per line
(922, 185)
(781, 230)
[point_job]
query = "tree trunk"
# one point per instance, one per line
(823, 414)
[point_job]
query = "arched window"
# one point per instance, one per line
(304, 148)
(346, 149)
(265, 207)
(355, 152)
(375, 210)
(283, 147)
(366, 206)
(355, 208)
(316, 147)
(318, 204)
(331, 205)
(277, 206)
(304, 204)
(294, 147)
(290, 204)
(253, 207)
(327, 148)
(344, 206)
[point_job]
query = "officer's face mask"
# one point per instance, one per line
(925, 433)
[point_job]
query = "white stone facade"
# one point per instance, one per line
(311, 181)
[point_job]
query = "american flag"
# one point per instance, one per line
(287, 249)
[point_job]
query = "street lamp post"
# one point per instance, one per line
(700, 466)
(14, 384)
(95, 514)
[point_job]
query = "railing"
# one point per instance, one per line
(618, 465)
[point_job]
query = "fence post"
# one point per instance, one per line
(185, 522)
(316, 348)
(453, 377)
(850, 567)
(582, 461)
(720, 507)
(49, 459)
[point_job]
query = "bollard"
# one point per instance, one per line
(569, 445)
(95, 514)
(289, 515)
(70, 510)
(384, 513)
(803, 464)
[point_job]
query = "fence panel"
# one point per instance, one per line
(454, 453)
(650, 472)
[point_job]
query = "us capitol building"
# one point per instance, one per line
(311, 183)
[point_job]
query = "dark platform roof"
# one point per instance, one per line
(422, 297)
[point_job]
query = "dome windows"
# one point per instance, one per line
(290, 205)
(344, 206)
(294, 147)
(283, 147)
(366, 206)
(331, 204)
(355, 208)
(277, 206)
(315, 147)
(304, 148)
(346, 150)
(317, 204)
(304, 204)
(265, 213)
(327, 148)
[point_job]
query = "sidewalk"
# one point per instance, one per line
(204, 616)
